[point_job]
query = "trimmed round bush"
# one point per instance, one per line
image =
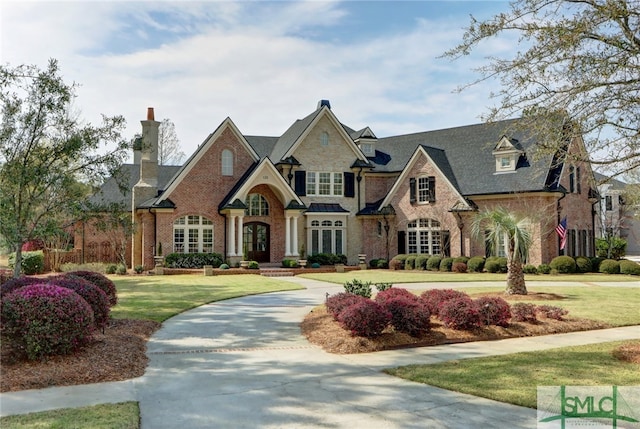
(460, 313)
(464, 259)
(224, 266)
(393, 293)
(315, 265)
(382, 263)
(31, 263)
(475, 264)
(530, 269)
(551, 311)
(524, 312)
(408, 315)
(595, 264)
(563, 264)
(434, 298)
(433, 263)
(45, 320)
(459, 267)
(410, 262)
(583, 264)
(111, 269)
(253, 265)
(629, 267)
(492, 266)
(610, 266)
(446, 264)
(102, 282)
(397, 262)
(91, 293)
(338, 302)
(544, 269)
(421, 262)
(493, 311)
(365, 318)
(373, 263)
(17, 283)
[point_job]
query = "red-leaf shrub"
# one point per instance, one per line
(408, 315)
(524, 312)
(459, 267)
(551, 311)
(44, 319)
(17, 283)
(365, 318)
(493, 310)
(91, 293)
(102, 282)
(394, 292)
(338, 302)
(434, 298)
(459, 313)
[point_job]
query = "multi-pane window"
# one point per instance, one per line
(227, 163)
(327, 236)
(424, 236)
(325, 183)
(257, 205)
(192, 234)
(422, 189)
(324, 139)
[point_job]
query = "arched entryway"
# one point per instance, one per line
(256, 241)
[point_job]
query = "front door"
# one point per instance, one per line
(256, 241)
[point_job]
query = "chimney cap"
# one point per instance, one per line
(150, 114)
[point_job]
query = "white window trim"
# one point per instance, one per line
(202, 225)
(227, 162)
(324, 217)
(431, 234)
(315, 191)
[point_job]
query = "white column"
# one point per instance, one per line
(287, 236)
(295, 236)
(231, 235)
(240, 239)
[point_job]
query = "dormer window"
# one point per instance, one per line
(367, 149)
(506, 153)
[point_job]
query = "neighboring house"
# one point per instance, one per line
(323, 187)
(615, 217)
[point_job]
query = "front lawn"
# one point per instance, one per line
(125, 415)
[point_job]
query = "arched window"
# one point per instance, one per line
(327, 236)
(324, 139)
(257, 205)
(193, 234)
(227, 163)
(424, 236)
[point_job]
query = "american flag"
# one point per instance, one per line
(561, 229)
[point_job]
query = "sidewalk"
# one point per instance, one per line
(243, 363)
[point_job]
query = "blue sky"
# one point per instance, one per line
(263, 64)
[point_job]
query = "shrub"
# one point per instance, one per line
(524, 312)
(121, 269)
(434, 298)
(138, 269)
(551, 311)
(493, 310)
(610, 266)
(17, 283)
(410, 262)
(289, 263)
(102, 282)
(476, 264)
(193, 260)
(544, 268)
(327, 259)
(612, 247)
(32, 262)
(629, 267)
(383, 263)
(338, 302)
(397, 262)
(583, 264)
(459, 267)
(224, 266)
(358, 287)
(502, 263)
(595, 264)
(253, 265)
(95, 297)
(408, 315)
(433, 263)
(373, 263)
(110, 269)
(315, 265)
(421, 262)
(365, 318)
(5, 276)
(459, 313)
(33, 245)
(46, 320)
(563, 264)
(446, 264)
(382, 286)
(530, 269)
(492, 266)
(96, 267)
(394, 293)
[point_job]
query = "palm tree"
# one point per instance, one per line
(499, 224)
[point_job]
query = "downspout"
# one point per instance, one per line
(359, 179)
(460, 228)
(559, 210)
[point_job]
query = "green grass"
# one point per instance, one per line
(514, 378)
(125, 415)
(412, 276)
(161, 297)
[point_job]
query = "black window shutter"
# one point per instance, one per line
(349, 184)
(432, 189)
(402, 242)
(578, 180)
(446, 243)
(412, 191)
(301, 182)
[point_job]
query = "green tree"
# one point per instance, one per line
(577, 57)
(498, 225)
(45, 152)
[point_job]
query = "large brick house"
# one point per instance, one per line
(323, 187)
